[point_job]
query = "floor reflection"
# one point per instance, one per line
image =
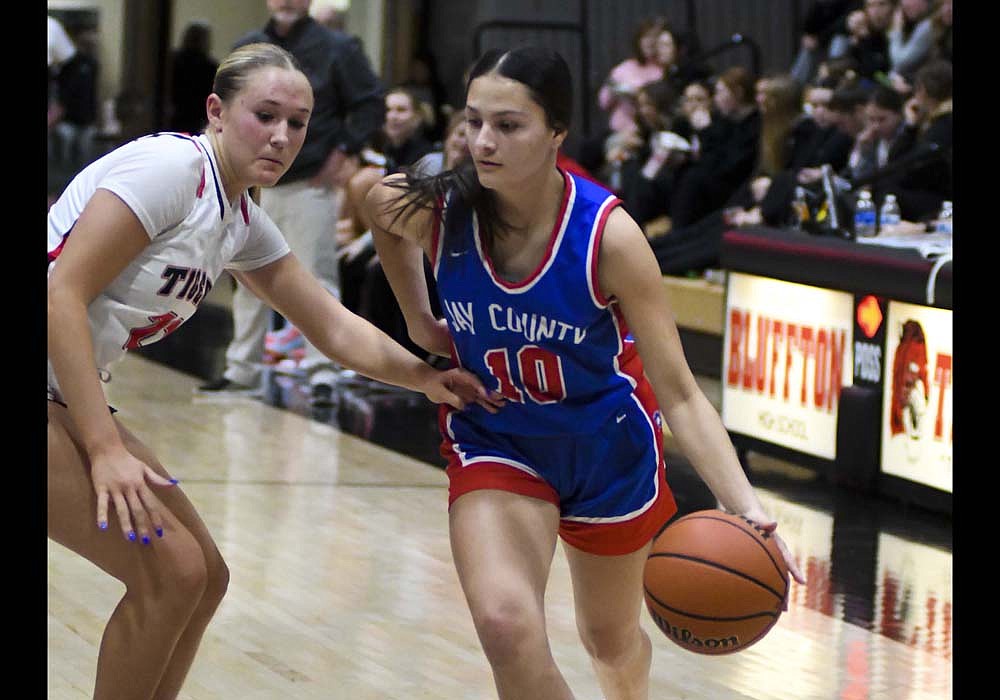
(872, 562)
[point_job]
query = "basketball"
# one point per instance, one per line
(714, 584)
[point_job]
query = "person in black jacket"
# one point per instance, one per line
(192, 72)
(349, 110)
(922, 187)
(728, 150)
(77, 81)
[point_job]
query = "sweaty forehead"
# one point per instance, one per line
(279, 85)
(492, 93)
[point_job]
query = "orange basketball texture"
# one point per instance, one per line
(714, 584)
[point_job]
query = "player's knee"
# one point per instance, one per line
(609, 642)
(179, 576)
(507, 630)
(191, 576)
(216, 582)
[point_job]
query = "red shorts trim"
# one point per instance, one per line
(614, 539)
(494, 475)
(607, 539)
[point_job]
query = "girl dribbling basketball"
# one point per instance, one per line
(553, 298)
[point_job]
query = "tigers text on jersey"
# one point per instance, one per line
(171, 183)
(552, 344)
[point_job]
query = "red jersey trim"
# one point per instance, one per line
(607, 207)
(562, 220)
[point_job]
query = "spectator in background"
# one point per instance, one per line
(827, 143)
(61, 49)
(356, 248)
(687, 66)
(404, 134)
(348, 112)
(883, 140)
(868, 39)
(686, 181)
(927, 181)
(783, 128)
(401, 141)
(77, 85)
(649, 160)
(818, 139)
(728, 149)
(847, 113)
(695, 100)
(911, 41)
(941, 23)
(693, 247)
(423, 83)
(617, 94)
(401, 144)
(824, 35)
(192, 71)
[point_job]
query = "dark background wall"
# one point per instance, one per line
(599, 36)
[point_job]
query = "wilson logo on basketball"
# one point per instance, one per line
(686, 638)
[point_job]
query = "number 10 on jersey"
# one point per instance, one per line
(540, 371)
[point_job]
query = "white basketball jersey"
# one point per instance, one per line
(171, 183)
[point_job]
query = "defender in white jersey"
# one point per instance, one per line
(572, 326)
(135, 243)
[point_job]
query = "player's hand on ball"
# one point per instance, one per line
(769, 525)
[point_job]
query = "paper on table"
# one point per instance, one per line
(928, 245)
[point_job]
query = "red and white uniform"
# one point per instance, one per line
(171, 183)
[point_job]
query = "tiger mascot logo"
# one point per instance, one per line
(910, 386)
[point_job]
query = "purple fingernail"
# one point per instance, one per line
(174, 481)
(159, 532)
(103, 525)
(145, 539)
(131, 536)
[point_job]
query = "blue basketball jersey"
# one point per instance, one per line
(552, 344)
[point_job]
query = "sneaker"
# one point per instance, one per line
(224, 388)
(288, 342)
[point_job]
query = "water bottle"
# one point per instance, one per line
(943, 224)
(864, 216)
(889, 214)
(800, 208)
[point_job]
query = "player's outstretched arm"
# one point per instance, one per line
(352, 341)
(628, 272)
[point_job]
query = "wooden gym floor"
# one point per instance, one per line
(343, 587)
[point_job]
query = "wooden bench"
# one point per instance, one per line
(699, 307)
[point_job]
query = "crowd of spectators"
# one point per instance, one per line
(693, 150)
(692, 146)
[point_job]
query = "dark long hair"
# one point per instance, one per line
(546, 76)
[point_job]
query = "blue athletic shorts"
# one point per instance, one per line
(610, 486)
